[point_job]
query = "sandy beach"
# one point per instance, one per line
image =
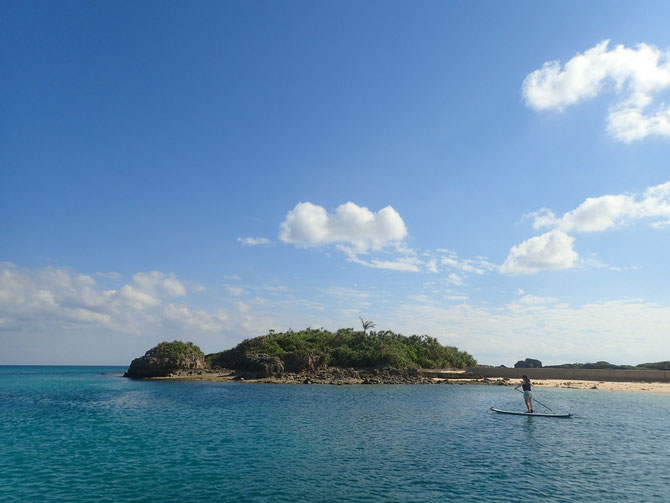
(649, 387)
(637, 386)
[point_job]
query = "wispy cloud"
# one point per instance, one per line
(235, 291)
(637, 74)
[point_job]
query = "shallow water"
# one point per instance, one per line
(77, 434)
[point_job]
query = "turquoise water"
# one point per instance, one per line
(77, 434)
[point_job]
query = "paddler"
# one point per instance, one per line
(527, 394)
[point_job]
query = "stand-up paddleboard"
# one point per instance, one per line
(529, 413)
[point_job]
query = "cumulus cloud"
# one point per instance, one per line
(550, 251)
(554, 250)
(352, 226)
(370, 239)
(611, 211)
(636, 75)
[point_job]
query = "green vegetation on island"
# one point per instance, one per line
(346, 348)
(178, 350)
(165, 358)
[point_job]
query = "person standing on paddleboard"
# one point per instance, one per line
(527, 394)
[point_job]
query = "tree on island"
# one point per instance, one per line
(311, 348)
(366, 325)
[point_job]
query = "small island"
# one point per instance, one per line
(310, 356)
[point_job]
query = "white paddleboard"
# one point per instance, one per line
(529, 413)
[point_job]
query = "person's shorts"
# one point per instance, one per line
(527, 394)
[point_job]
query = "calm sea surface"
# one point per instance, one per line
(76, 434)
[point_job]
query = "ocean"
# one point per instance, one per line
(85, 434)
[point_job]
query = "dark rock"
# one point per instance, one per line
(261, 366)
(528, 363)
(297, 362)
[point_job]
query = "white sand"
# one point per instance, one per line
(650, 387)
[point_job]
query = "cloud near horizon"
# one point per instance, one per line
(638, 75)
(50, 311)
(58, 296)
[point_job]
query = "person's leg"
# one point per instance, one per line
(529, 406)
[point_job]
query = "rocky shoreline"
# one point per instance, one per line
(337, 376)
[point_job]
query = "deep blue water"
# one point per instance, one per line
(76, 434)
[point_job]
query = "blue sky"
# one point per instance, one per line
(492, 174)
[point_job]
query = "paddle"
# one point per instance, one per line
(534, 400)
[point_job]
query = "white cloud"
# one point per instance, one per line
(57, 311)
(235, 291)
(356, 231)
(536, 300)
(254, 241)
(611, 211)
(554, 250)
(242, 306)
(455, 279)
(374, 240)
(53, 298)
(56, 315)
(637, 75)
(401, 263)
(350, 225)
(550, 251)
(479, 265)
(158, 283)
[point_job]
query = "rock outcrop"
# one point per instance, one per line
(528, 363)
(334, 375)
(167, 358)
(260, 367)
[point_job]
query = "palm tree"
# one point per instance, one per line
(366, 325)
